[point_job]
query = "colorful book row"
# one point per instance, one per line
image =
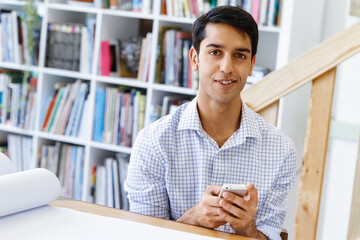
(173, 63)
(265, 12)
(70, 46)
(18, 99)
(67, 162)
(14, 38)
(119, 115)
(19, 150)
(65, 109)
(107, 182)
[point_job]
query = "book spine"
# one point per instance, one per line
(105, 63)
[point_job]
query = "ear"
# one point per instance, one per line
(252, 65)
(193, 59)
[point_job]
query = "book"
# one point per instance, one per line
(80, 109)
(84, 132)
(84, 50)
(142, 59)
(99, 114)
(147, 58)
(78, 173)
(60, 127)
(116, 183)
(169, 57)
(123, 160)
(92, 184)
(114, 58)
(255, 10)
(59, 109)
(100, 185)
(109, 182)
(72, 108)
(116, 116)
(105, 58)
(51, 108)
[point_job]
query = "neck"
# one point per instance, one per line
(220, 120)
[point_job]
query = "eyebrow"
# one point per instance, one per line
(221, 46)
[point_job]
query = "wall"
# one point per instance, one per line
(305, 33)
(344, 134)
(324, 19)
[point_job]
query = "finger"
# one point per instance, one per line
(232, 209)
(252, 195)
(208, 199)
(232, 220)
(235, 199)
(213, 190)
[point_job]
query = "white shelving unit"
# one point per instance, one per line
(272, 53)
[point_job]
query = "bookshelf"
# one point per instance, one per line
(112, 24)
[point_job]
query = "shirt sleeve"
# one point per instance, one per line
(145, 183)
(272, 211)
(269, 232)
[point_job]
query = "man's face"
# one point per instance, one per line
(224, 63)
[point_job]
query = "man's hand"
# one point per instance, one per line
(240, 212)
(205, 213)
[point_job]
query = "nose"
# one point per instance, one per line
(226, 64)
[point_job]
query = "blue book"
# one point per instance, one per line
(90, 23)
(78, 173)
(185, 62)
(99, 114)
(70, 192)
(79, 110)
(96, 137)
(119, 122)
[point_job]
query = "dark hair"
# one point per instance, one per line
(234, 16)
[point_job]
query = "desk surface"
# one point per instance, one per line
(116, 213)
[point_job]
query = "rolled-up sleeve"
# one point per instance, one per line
(272, 212)
(145, 183)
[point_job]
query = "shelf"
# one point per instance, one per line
(73, 8)
(173, 89)
(132, 82)
(110, 147)
(61, 138)
(19, 67)
(269, 29)
(183, 20)
(17, 130)
(128, 14)
(15, 3)
(66, 73)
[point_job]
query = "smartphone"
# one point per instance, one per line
(238, 189)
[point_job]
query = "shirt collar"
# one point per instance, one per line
(248, 127)
(190, 118)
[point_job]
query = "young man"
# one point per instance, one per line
(179, 163)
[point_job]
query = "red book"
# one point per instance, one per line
(105, 58)
(255, 10)
(51, 105)
(194, 8)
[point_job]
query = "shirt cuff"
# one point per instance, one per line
(269, 232)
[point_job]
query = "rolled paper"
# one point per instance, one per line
(26, 190)
(6, 166)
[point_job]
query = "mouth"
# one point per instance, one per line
(225, 82)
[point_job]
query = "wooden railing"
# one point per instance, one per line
(319, 66)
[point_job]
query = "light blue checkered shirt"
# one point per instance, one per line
(174, 160)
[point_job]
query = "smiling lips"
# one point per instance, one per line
(225, 82)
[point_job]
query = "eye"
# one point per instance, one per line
(215, 52)
(240, 55)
